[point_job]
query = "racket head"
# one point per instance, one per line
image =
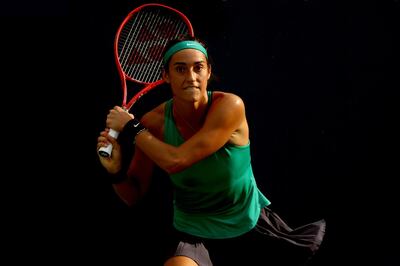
(140, 42)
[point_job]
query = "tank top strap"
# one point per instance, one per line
(210, 95)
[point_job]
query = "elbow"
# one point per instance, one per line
(128, 202)
(173, 160)
(128, 194)
(132, 202)
(175, 166)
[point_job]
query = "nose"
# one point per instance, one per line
(190, 75)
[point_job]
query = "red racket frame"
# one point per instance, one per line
(123, 76)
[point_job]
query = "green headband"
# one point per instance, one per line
(181, 46)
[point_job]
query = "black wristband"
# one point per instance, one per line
(134, 127)
(130, 130)
(119, 177)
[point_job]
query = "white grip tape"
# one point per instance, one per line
(106, 151)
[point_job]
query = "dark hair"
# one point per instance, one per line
(180, 39)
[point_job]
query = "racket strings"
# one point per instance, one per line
(150, 50)
(133, 55)
(153, 72)
(142, 41)
(129, 33)
(149, 73)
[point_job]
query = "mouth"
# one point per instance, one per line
(191, 88)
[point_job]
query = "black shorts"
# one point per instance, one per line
(271, 242)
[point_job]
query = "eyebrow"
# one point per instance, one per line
(195, 63)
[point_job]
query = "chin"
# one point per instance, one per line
(193, 93)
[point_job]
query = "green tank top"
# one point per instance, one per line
(216, 197)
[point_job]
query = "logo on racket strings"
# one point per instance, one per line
(149, 44)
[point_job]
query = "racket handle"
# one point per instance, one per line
(106, 151)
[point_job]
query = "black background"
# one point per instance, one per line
(320, 81)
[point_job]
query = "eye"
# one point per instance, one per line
(198, 68)
(180, 69)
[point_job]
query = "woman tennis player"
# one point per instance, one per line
(201, 139)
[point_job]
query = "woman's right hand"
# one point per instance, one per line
(112, 164)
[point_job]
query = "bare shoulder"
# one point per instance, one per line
(154, 120)
(229, 112)
(226, 99)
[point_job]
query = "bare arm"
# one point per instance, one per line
(141, 166)
(225, 118)
(139, 178)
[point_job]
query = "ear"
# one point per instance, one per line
(165, 76)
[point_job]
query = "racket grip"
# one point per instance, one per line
(106, 151)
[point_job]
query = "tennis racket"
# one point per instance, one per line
(138, 48)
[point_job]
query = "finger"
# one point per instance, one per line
(119, 109)
(103, 134)
(110, 139)
(111, 113)
(102, 143)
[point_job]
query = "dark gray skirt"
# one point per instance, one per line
(271, 242)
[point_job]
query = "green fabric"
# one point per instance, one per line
(216, 197)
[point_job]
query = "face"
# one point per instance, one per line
(188, 74)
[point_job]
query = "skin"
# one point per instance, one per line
(204, 132)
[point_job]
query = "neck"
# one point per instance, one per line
(190, 116)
